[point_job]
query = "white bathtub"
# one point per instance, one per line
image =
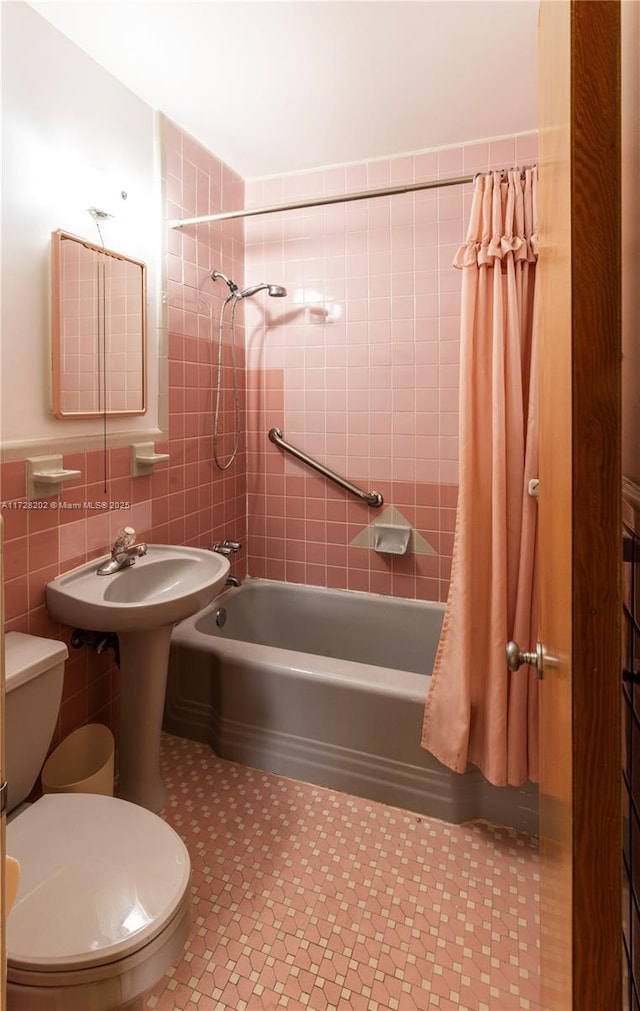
(327, 686)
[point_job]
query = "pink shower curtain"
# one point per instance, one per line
(476, 710)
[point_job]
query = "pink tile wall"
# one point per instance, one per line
(359, 366)
(186, 501)
(204, 503)
(56, 535)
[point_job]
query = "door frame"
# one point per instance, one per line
(580, 798)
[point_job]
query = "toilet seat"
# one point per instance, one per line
(104, 890)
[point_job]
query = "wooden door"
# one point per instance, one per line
(579, 505)
(3, 964)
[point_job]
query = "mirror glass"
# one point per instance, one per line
(98, 330)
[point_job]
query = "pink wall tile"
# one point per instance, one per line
(526, 149)
(370, 388)
(450, 162)
(400, 297)
(187, 501)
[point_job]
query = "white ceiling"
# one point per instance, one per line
(275, 87)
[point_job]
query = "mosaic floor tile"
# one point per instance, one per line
(306, 898)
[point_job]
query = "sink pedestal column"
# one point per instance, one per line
(144, 657)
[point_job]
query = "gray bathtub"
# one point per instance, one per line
(327, 686)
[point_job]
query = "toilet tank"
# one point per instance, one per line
(34, 672)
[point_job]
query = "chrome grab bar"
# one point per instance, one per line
(372, 498)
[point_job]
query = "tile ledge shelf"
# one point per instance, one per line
(45, 476)
(16, 451)
(144, 458)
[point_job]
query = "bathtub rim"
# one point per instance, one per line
(315, 666)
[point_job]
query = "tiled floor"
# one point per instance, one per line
(309, 898)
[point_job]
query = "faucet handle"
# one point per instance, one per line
(124, 538)
(226, 547)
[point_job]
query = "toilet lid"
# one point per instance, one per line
(27, 656)
(100, 878)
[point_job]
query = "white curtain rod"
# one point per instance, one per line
(322, 201)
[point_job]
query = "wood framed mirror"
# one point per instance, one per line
(99, 330)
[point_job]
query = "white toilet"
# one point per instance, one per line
(103, 907)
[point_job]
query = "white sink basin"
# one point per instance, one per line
(164, 586)
(141, 603)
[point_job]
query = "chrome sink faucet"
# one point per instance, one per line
(123, 552)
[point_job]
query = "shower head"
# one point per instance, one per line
(233, 287)
(275, 290)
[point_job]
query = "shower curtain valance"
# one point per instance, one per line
(503, 220)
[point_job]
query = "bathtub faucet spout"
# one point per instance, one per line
(227, 547)
(232, 581)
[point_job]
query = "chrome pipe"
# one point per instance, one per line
(372, 498)
(387, 191)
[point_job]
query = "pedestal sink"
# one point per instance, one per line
(141, 604)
